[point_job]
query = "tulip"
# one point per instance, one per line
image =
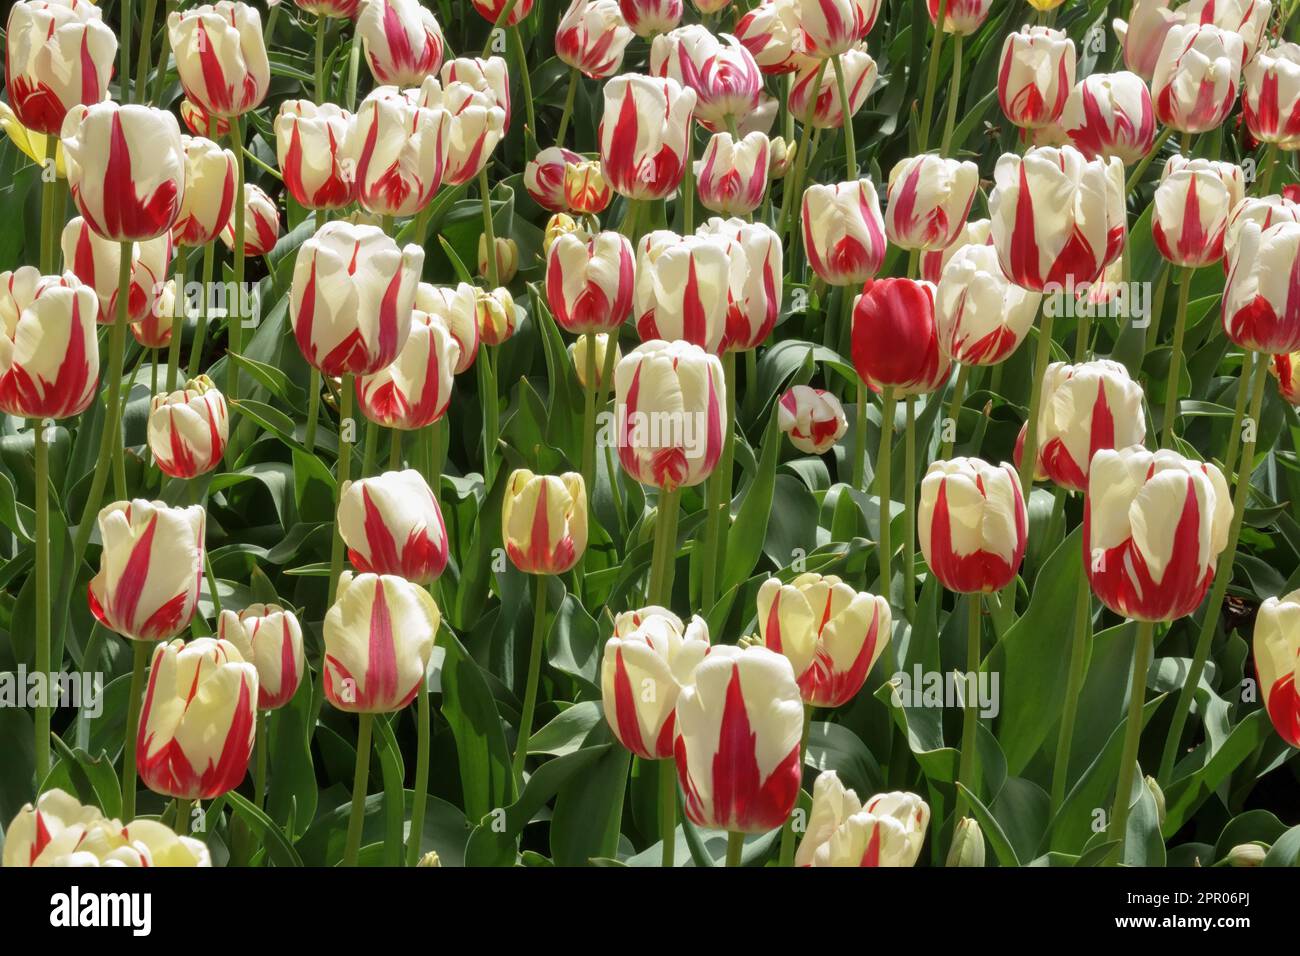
(973, 524)
(976, 232)
(209, 198)
(732, 176)
(457, 309)
(339, 9)
(379, 636)
(860, 73)
(650, 17)
(392, 524)
(1085, 408)
(780, 157)
(60, 831)
(723, 74)
(154, 331)
(1054, 216)
(1277, 661)
(831, 27)
(496, 315)
(1110, 114)
(95, 261)
(982, 316)
(1246, 855)
(1192, 204)
(683, 288)
(585, 188)
(351, 299)
(310, 145)
(929, 200)
(1265, 211)
(1271, 101)
(49, 353)
(270, 638)
(578, 355)
(643, 135)
(738, 732)
(398, 148)
(198, 122)
(1154, 524)
(126, 169)
(491, 10)
(402, 41)
(888, 831)
(843, 231)
(967, 844)
(961, 17)
(489, 77)
(1035, 77)
(544, 521)
(544, 176)
(188, 429)
(30, 144)
(220, 56)
(561, 224)
(262, 223)
(57, 56)
(592, 36)
(831, 634)
(1285, 369)
(415, 390)
(670, 396)
(755, 296)
(1150, 22)
(895, 340)
(772, 34)
(589, 282)
(812, 418)
(650, 658)
(1196, 77)
(474, 126)
(507, 259)
(1261, 309)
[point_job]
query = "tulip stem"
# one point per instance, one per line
(119, 330)
(1175, 358)
(1136, 176)
(1157, 311)
(360, 779)
(735, 847)
(569, 99)
(534, 673)
(668, 808)
(421, 776)
(508, 9)
(794, 179)
(42, 569)
(525, 80)
(235, 324)
(313, 410)
(786, 857)
(201, 330)
(489, 235)
(321, 22)
(1142, 653)
(589, 416)
(1223, 575)
(261, 745)
(487, 387)
(344, 464)
(354, 68)
(370, 451)
(909, 512)
(178, 313)
(146, 44)
(140, 659)
(850, 147)
(394, 449)
(932, 77)
(718, 495)
(688, 182)
(884, 467)
(49, 187)
(660, 586)
(1029, 452)
(1073, 687)
(954, 410)
(970, 710)
(954, 95)
(1244, 382)
(184, 814)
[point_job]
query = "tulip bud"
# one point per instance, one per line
(1271, 99)
(154, 331)
(429, 859)
(57, 56)
(683, 288)
(1277, 661)
(831, 634)
(929, 200)
(643, 135)
(147, 587)
(670, 398)
(198, 122)
(457, 308)
(812, 418)
(261, 223)
(488, 78)
(982, 316)
(589, 282)
(650, 17)
(351, 299)
(1157, 797)
(391, 524)
(309, 146)
(126, 169)
(895, 339)
(1286, 369)
(1196, 77)
(1247, 854)
(188, 429)
(491, 10)
(961, 17)
(209, 197)
(49, 350)
(831, 27)
(1057, 218)
(739, 725)
(1154, 524)
(561, 224)
(1036, 75)
(973, 524)
(843, 231)
(544, 521)
(888, 831)
(1110, 114)
(60, 831)
(415, 390)
(474, 124)
(96, 261)
(772, 34)
(398, 149)
(1261, 312)
(780, 157)
(732, 176)
(755, 295)
(585, 188)
(647, 662)
(495, 314)
(220, 56)
(860, 73)
(976, 232)
(723, 74)
(967, 844)
(507, 256)
(270, 638)
(592, 36)
(379, 636)
(544, 176)
(578, 355)
(402, 41)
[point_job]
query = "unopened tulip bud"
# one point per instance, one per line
(1110, 114)
(309, 145)
(592, 36)
(732, 176)
(430, 859)
(457, 308)
(57, 56)
(544, 176)
(888, 831)
(560, 224)
(648, 18)
(812, 418)
(1261, 312)
(496, 315)
(929, 199)
(392, 524)
(578, 355)
(780, 157)
(261, 223)
(188, 429)
(967, 844)
(1157, 797)
(507, 256)
(270, 638)
(220, 56)
(1036, 75)
(643, 135)
(1197, 76)
(895, 338)
(1277, 662)
(544, 521)
(1247, 855)
(49, 351)
(844, 232)
(1192, 205)
(590, 282)
(973, 524)
(402, 41)
(828, 112)
(585, 188)
(198, 122)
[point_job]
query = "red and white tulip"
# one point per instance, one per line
(415, 390)
(962, 17)
(57, 55)
(270, 638)
(400, 148)
(209, 198)
(402, 41)
(188, 429)
(732, 176)
(721, 71)
(49, 349)
(544, 521)
(888, 831)
(220, 56)
(831, 27)
(544, 176)
(823, 98)
(976, 232)
(843, 231)
(261, 223)
(973, 525)
(812, 418)
(1277, 661)
(982, 315)
(643, 135)
(1197, 76)
(96, 261)
(772, 33)
(1261, 302)
(310, 143)
(392, 524)
(475, 124)
(1271, 99)
(1035, 76)
(1110, 114)
(590, 282)
(592, 36)
(929, 198)
(683, 287)
(650, 17)
(754, 301)
(457, 308)
(1192, 205)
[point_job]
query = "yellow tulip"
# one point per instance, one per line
(32, 144)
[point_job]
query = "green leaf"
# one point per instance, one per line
(748, 532)
(471, 711)
(277, 847)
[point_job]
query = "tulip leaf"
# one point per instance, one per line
(278, 848)
(471, 711)
(993, 833)
(749, 530)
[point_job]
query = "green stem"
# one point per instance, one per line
(735, 846)
(487, 387)
(719, 494)
(932, 76)
(954, 95)
(668, 808)
(201, 330)
(262, 744)
(115, 394)
(508, 9)
(184, 816)
(884, 467)
(146, 48)
(786, 857)
(1175, 359)
(589, 415)
(360, 780)
(794, 179)
(313, 410)
(954, 409)
(1136, 176)
(490, 240)
(421, 795)
(140, 660)
(970, 711)
(160, 74)
(235, 324)
(394, 450)
(42, 570)
(178, 313)
(850, 147)
(49, 199)
(1142, 653)
(344, 467)
(525, 80)
(1073, 687)
(321, 22)
(534, 674)
(354, 69)
(1157, 311)
(909, 510)
(371, 448)
(859, 474)
(688, 183)
(569, 99)
(660, 586)
(1238, 413)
